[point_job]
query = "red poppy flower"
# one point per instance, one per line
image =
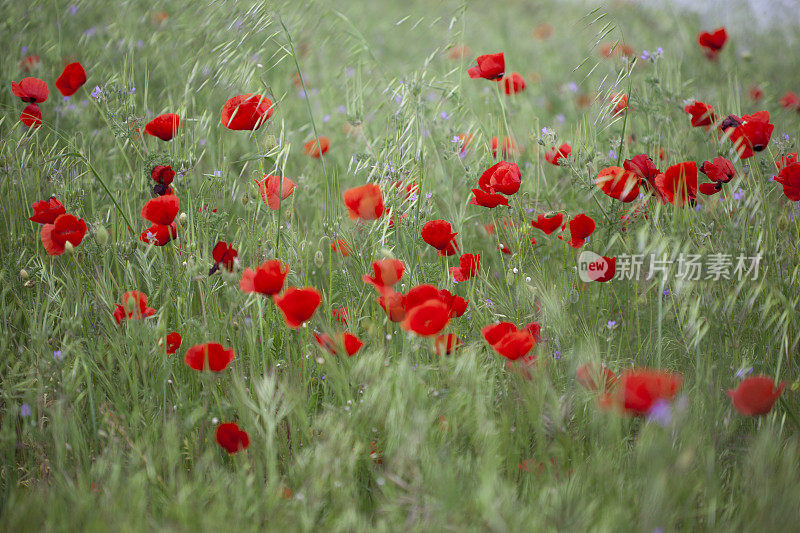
(548, 224)
(174, 340)
(163, 174)
(485, 199)
(752, 135)
(31, 116)
(755, 395)
(65, 229)
(47, 211)
(298, 305)
(679, 183)
(224, 254)
(489, 67)
(606, 272)
(593, 377)
(438, 233)
(246, 112)
(703, 115)
(30, 63)
(554, 155)
(618, 183)
(513, 83)
(267, 279)
(209, 356)
(386, 272)
(231, 438)
(504, 178)
(719, 170)
(341, 315)
(269, 186)
(364, 202)
(508, 146)
(789, 177)
(508, 341)
(447, 344)
(164, 126)
(710, 188)
(790, 101)
(620, 102)
(428, 318)
(351, 343)
(392, 304)
(342, 247)
(161, 210)
(466, 140)
(134, 307)
(755, 93)
(467, 267)
(456, 305)
(158, 234)
(317, 147)
(534, 329)
(30, 90)
(642, 165)
(712, 42)
(785, 160)
(639, 390)
(580, 228)
(71, 79)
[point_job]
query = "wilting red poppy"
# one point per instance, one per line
(161, 210)
(548, 224)
(618, 183)
(502, 177)
(174, 340)
(351, 343)
(163, 174)
(752, 134)
(31, 116)
(620, 102)
(267, 279)
(467, 267)
(508, 146)
(447, 344)
(428, 318)
(65, 229)
(225, 255)
(164, 126)
(71, 79)
(790, 101)
(508, 341)
(364, 202)
(246, 112)
(386, 272)
(554, 155)
(231, 438)
(789, 178)
(755, 395)
(134, 307)
(209, 356)
(30, 90)
(679, 183)
(593, 377)
(158, 234)
(702, 115)
(317, 147)
(47, 211)
(638, 390)
(489, 66)
(485, 199)
(269, 186)
(712, 42)
(513, 83)
(580, 228)
(438, 233)
(298, 305)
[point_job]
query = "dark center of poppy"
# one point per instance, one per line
(159, 189)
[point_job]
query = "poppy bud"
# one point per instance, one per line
(783, 223)
(319, 260)
(68, 247)
(101, 236)
(23, 274)
(183, 218)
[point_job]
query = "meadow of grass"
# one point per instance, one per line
(101, 429)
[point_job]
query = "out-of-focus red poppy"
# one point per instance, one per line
(134, 307)
(30, 90)
(209, 356)
(580, 228)
(438, 233)
(458, 51)
(392, 303)
(790, 101)
(702, 115)
(224, 254)
(618, 183)
(341, 246)
(341, 315)
(513, 83)
(755, 93)
(554, 155)
(755, 395)
(385, 273)
(543, 31)
(65, 229)
(548, 224)
(158, 234)
(30, 63)
(298, 305)
(507, 144)
(785, 160)
(502, 177)
(165, 126)
(350, 342)
(447, 344)
(269, 187)
(428, 318)
(231, 438)
(712, 42)
(71, 79)
(620, 102)
(174, 340)
(246, 112)
(364, 202)
(317, 147)
(267, 279)
(617, 49)
(161, 210)
(456, 305)
(47, 211)
(679, 183)
(467, 267)
(508, 341)
(751, 135)
(789, 178)
(638, 390)
(596, 378)
(31, 116)
(489, 67)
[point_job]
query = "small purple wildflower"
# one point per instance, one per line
(660, 413)
(57, 355)
(611, 324)
(25, 410)
(429, 195)
(97, 92)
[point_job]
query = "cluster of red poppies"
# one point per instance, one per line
(34, 91)
(59, 228)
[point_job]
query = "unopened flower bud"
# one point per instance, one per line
(23, 274)
(68, 247)
(319, 260)
(183, 218)
(101, 236)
